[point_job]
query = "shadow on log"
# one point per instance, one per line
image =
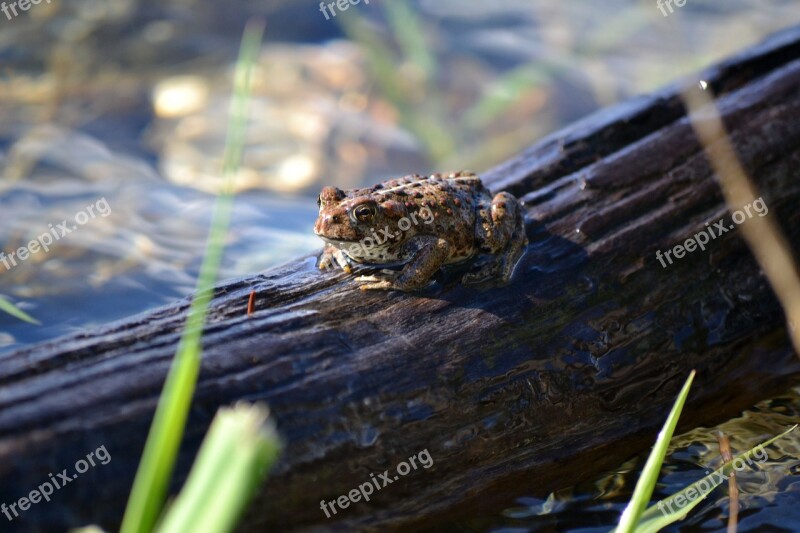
(565, 372)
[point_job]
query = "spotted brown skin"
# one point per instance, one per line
(422, 223)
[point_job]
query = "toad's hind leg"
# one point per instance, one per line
(503, 235)
(515, 249)
(417, 274)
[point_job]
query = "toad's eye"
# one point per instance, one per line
(364, 213)
(319, 201)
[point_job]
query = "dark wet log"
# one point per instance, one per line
(528, 387)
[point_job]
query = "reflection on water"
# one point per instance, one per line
(313, 121)
(768, 490)
(127, 100)
(144, 253)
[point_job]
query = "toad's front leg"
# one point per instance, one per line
(332, 256)
(432, 252)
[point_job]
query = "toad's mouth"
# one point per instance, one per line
(339, 243)
(364, 251)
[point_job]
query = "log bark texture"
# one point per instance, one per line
(566, 371)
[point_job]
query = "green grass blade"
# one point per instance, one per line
(155, 469)
(505, 92)
(654, 519)
(421, 118)
(236, 455)
(407, 30)
(647, 480)
(14, 311)
(380, 60)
